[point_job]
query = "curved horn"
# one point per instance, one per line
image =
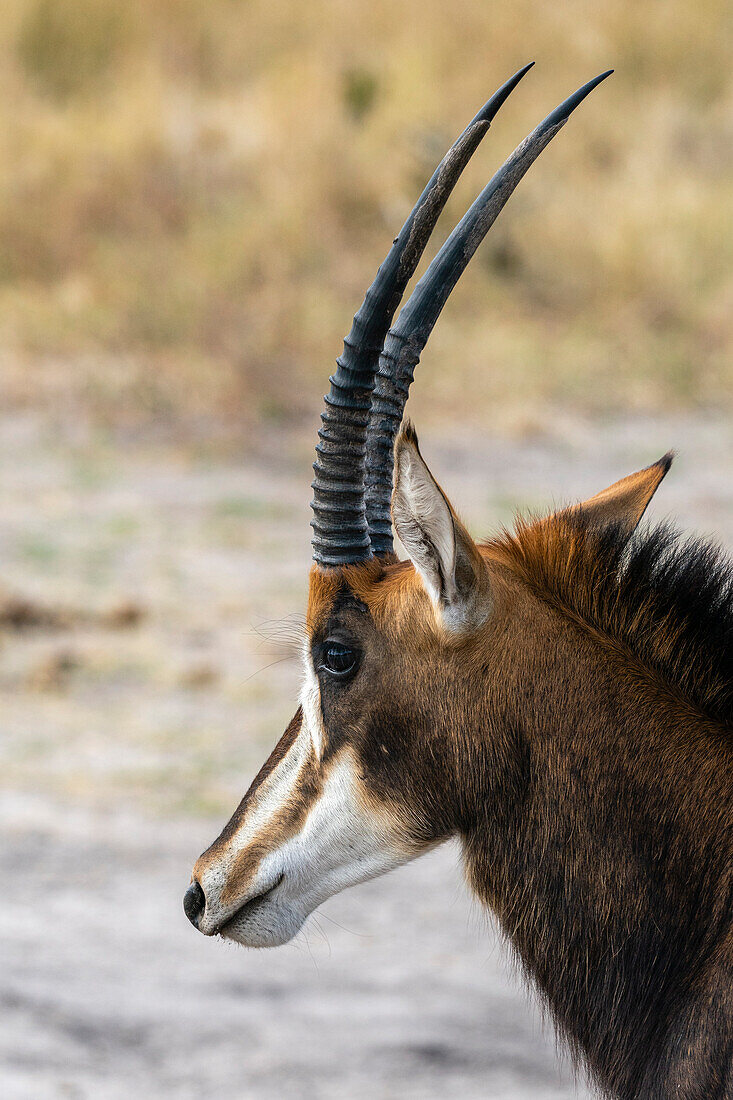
(340, 530)
(408, 336)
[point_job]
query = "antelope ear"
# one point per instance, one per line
(440, 547)
(626, 500)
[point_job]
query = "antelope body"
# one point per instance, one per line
(559, 698)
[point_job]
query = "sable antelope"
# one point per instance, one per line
(559, 698)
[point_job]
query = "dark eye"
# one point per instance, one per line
(338, 659)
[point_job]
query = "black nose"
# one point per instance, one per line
(194, 901)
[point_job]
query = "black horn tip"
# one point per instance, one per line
(490, 109)
(563, 112)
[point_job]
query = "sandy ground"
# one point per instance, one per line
(144, 674)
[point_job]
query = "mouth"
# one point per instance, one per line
(249, 906)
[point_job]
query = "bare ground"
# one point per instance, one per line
(144, 672)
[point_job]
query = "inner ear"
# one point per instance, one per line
(440, 547)
(423, 519)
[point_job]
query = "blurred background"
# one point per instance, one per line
(193, 199)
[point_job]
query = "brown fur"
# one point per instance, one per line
(668, 606)
(580, 746)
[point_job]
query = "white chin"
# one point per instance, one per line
(264, 925)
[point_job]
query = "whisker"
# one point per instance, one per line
(326, 940)
(264, 668)
(361, 935)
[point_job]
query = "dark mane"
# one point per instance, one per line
(667, 599)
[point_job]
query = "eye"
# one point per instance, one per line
(338, 659)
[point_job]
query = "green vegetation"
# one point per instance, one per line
(194, 197)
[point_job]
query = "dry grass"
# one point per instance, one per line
(195, 196)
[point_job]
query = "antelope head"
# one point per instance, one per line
(370, 772)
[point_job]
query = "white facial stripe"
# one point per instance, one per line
(310, 701)
(266, 804)
(344, 839)
(342, 842)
